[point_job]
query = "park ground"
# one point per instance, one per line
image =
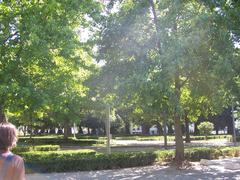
(134, 145)
(216, 170)
(219, 169)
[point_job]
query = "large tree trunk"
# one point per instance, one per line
(67, 129)
(179, 156)
(145, 129)
(170, 128)
(52, 130)
(196, 130)
(127, 127)
(31, 127)
(187, 139)
(93, 131)
(24, 131)
(80, 130)
(159, 127)
(3, 117)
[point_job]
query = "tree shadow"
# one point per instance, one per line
(148, 172)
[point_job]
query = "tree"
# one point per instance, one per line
(43, 64)
(95, 124)
(205, 128)
(158, 50)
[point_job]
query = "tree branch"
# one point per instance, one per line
(156, 25)
(184, 82)
(9, 37)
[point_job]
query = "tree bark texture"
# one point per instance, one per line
(3, 117)
(179, 154)
(187, 139)
(67, 129)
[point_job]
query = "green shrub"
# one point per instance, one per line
(210, 137)
(85, 160)
(205, 128)
(165, 155)
(52, 155)
(196, 154)
(88, 137)
(21, 149)
(46, 148)
(58, 140)
(231, 151)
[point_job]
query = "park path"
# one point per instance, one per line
(134, 145)
(219, 169)
(211, 142)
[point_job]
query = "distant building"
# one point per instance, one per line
(153, 130)
(136, 130)
(191, 127)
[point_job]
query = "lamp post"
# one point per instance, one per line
(108, 145)
(107, 126)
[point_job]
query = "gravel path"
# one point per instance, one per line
(217, 170)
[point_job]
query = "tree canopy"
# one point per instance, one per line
(175, 60)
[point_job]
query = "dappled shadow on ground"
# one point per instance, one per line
(149, 172)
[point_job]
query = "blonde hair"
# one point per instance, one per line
(8, 136)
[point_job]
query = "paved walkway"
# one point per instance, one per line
(217, 170)
(210, 143)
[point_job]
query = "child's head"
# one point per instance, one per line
(8, 136)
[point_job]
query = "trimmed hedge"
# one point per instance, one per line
(21, 149)
(58, 141)
(231, 151)
(85, 160)
(210, 137)
(47, 148)
(196, 154)
(169, 138)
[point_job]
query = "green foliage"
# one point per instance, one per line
(165, 155)
(46, 148)
(85, 160)
(182, 62)
(43, 63)
(196, 154)
(211, 137)
(21, 149)
(231, 151)
(179, 60)
(59, 141)
(205, 128)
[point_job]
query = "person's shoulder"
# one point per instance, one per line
(18, 160)
(17, 157)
